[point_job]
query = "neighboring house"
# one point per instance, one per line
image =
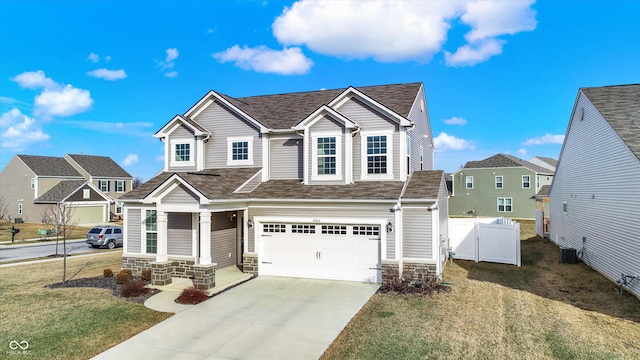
(499, 186)
(323, 184)
(545, 162)
(595, 196)
(30, 177)
(89, 205)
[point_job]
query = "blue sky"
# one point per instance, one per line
(100, 77)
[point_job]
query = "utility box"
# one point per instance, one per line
(18, 220)
(568, 255)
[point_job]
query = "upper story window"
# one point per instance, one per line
(19, 208)
(408, 155)
(33, 183)
(182, 152)
(377, 156)
(104, 185)
(327, 157)
(469, 182)
(526, 181)
(499, 182)
(120, 187)
(240, 151)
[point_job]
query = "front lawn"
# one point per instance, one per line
(30, 231)
(542, 310)
(66, 323)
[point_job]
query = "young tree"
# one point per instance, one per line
(60, 216)
(137, 181)
(4, 209)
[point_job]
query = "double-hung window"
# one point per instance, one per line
(327, 157)
(119, 186)
(182, 152)
(104, 185)
(469, 182)
(526, 181)
(151, 231)
(377, 155)
(240, 151)
(505, 204)
(499, 182)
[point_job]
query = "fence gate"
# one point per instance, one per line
(485, 239)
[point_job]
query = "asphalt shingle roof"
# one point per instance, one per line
(620, 106)
(505, 160)
(544, 191)
(423, 185)
(100, 166)
(49, 166)
(282, 111)
(60, 191)
(294, 189)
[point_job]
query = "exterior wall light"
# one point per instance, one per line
(389, 227)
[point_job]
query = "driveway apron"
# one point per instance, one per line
(265, 318)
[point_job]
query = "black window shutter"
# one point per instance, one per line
(108, 185)
(124, 186)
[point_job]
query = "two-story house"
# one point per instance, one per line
(31, 184)
(322, 184)
(499, 186)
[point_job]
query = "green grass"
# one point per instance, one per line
(71, 323)
(541, 310)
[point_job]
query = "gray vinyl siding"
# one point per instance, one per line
(327, 124)
(182, 133)
(285, 154)
(179, 234)
(599, 178)
(180, 195)
(134, 229)
(417, 233)
(443, 212)
(223, 240)
(223, 123)
(422, 127)
(15, 184)
(328, 211)
(370, 119)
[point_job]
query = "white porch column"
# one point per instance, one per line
(205, 238)
(161, 253)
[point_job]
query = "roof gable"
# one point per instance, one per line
(505, 161)
(65, 189)
(99, 166)
(620, 107)
(191, 124)
(49, 166)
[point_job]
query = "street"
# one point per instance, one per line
(28, 251)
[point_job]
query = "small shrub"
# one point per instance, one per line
(192, 296)
(128, 272)
(134, 288)
(146, 275)
(122, 278)
(107, 273)
(405, 285)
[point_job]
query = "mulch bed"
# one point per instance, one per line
(105, 283)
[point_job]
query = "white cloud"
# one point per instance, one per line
(18, 131)
(12, 101)
(93, 57)
(130, 160)
(522, 152)
(171, 74)
(288, 61)
(456, 121)
(172, 54)
(34, 80)
(107, 74)
(142, 129)
(63, 101)
(107, 58)
(489, 20)
(445, 142)
(545, 139)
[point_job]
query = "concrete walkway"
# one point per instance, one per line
(265, 318)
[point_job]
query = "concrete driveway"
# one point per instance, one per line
(265, 318)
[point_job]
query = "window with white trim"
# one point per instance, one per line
(565, 207)
(421, 157)
(303, 229)
(86, 193)
(274, 228)
(499, 182)
(408, 155)
(182, 152)
(526, 181)
(377, 157)
(240, 151)
(33, 183)
(469, 182)
(119, 208)
(334, 229)
(19, 208)
(119, 184)
(327, 157)
(104, 185)
(151, 231)
(505, 204)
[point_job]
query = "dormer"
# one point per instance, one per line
(183, 144)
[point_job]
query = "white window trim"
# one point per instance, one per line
(103, 182)
(505, 204)
(363, 156)
(33, 183)
(145, 231)
(314, 156)
(19, 208)
(86, 193)
(501, 182)
(116, 182)
(523, 176)
(172, 152)
(565, 207)
(465, 182)
(230, 141)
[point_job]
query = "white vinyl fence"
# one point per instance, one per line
(485, 239)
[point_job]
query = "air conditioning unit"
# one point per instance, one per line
(568, 255)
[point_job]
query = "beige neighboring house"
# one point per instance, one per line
(49, 179)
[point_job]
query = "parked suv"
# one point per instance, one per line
(105, 236)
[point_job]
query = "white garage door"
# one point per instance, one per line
(321, 251)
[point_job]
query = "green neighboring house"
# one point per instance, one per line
(499, 186)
